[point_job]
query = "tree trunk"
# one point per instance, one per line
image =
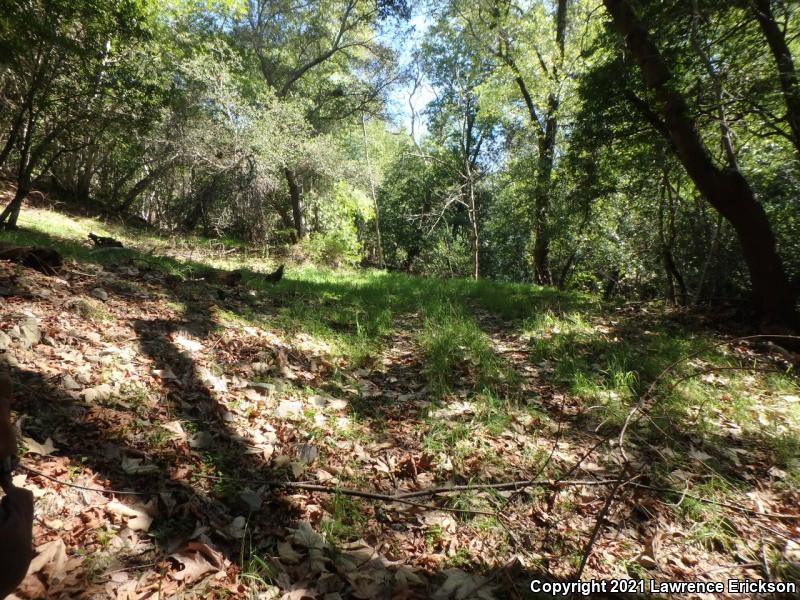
(286, 220)
(666, 255)
(547, 145)
(381, 262)
(11, 139)
(541, 208)
(9, 216)
(790, 84)
(473, 222)
(199, 209)
(546, 133)
(297, 203)
(726, 190)
(141, 185)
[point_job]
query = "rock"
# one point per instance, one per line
(237, 527)
(5, 341)
(29, 333)
(200, 440)
(265, 388)
(251, 499)
(100, 294)
(317, 401)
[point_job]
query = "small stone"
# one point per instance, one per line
(317, 401)
(99, 293)
(265, 388)
(251, 499)
(200, 440)
(5, 340)
(237, 527)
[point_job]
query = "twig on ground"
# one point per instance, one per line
(587, 551)
(404, 497)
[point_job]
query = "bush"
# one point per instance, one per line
(334, 248)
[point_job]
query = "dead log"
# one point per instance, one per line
(44, 260)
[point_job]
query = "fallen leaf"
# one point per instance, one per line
(98, 393)
(197, 559)
(134, 466)
(35, 447)
(139, 519)
(50, 558)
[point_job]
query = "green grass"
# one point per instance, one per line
(346, 519)
(602, 358)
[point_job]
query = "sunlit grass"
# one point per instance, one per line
(603, 358)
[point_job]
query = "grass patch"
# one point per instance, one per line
(345, 521)
(457, 352)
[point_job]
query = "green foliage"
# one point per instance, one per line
(207, 116)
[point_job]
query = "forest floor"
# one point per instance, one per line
(185, 438)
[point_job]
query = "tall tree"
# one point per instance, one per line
(457, 68)
(725, 189)
(326, 53)
(546, 129)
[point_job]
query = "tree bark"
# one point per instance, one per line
(9, 216)
(474, 233)
(725, 189)
(296, 197)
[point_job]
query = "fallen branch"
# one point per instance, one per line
(404, 497)
(587, 551)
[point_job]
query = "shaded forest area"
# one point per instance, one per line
(393, 299)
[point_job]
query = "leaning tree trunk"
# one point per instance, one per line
(9, 216)
(787, 75)
(726, 190)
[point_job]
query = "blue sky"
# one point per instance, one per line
(405, 43)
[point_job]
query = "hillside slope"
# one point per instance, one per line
(183, 436)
